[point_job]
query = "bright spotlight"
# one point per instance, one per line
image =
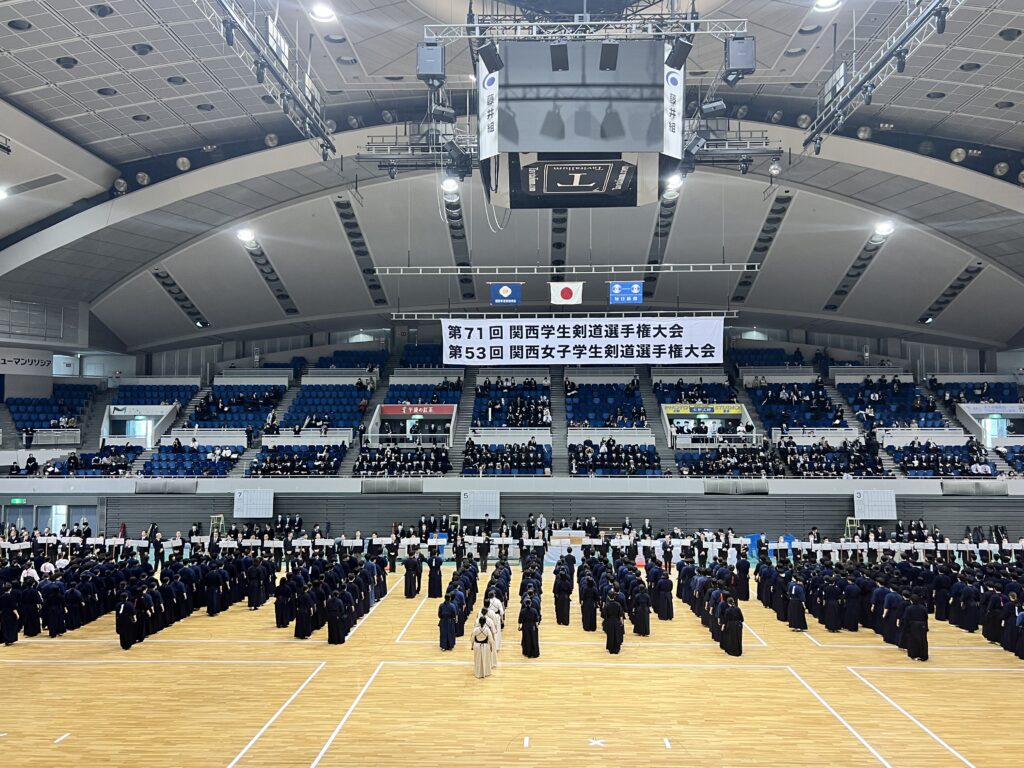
(142, 178)
(929, 320)
(3, 194)
(675, 181)
(246, 235)
(670, 194)
(885, 228)
(775, 168)
(825, 6)
(322, 12)
(449, 185)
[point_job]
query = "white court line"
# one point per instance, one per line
(888, 647)
(839, 717)
(911, 718)
(348, 713)
(668, 744)
(750, 629)
(810, 637)
(409, 622)
(943, 669)
(375, 606)
(61, 738)
(277, 714)
(526, 742)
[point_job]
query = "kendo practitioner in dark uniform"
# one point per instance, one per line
(641, 615)
(10, 619)
(914, 628)
(446, 614)
(412, 587)
(612, 624)
(335, 608)
(434, 575)
(732, 629)
(125, 622)
(529, 618)
(561, 591)
(588, 605)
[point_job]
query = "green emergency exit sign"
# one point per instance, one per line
(19, 501)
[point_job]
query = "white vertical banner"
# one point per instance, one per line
(673, 109)
(487, 111)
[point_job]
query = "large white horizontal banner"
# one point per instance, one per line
(582, 341)
(27, 362)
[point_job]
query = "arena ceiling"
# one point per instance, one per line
(957, 254)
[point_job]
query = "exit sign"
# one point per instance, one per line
(19, 501)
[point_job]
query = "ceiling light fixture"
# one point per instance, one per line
(1001, 168)
(142, 178)
(322, 12)
(183, 164)
(246, 235)
(825, 6)
(450, 185)
(775, 168)
(803, 121)
(958, 155)
(675, 181)
(885, 228)
(3, 194)
(929, 320)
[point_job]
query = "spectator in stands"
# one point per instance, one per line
(27, 434)
(851, 458)
(731, 460)
(391, 461)
(31, 465)
(612, 457)
(14, 469)
(520, 457)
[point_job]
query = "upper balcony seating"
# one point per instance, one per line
(683, 392)
(445, 393)
(505, 403)
(950, 392)
(338, 405)
(62, 410)
(746, 357)
(154, 394)
(237, 406)
(796, 405)
(605, 405)
(730, 461)
(422, 356)
(852, 457)
(891, 403)
(350, 358)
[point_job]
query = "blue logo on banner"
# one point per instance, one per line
(631, 292)
(506, 293)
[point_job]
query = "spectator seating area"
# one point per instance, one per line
(109, 461)
(350, 358)
(237, 406)
(891, 403)
(730, 461)
(154, 394)
(609, 458)
(507, 404)
(69, 401)
(744, 357)
(422, 356)
(931, 460)
(604, 405)
(796, 405)
(851, 457)
(295, 366)
(200, 461)
(291, 460)
(975, 391)
(341, 405)
(682, 392)
(1014, 456)
(392, 461)
(446, 393)
(510, 459)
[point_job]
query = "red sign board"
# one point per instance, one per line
(417, 410)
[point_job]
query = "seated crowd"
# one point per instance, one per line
(614, 406)
(694, 393)
(890, 403)
(610, 457)
(392, 461)
(194, 460)
(62, 410)
(796, 405)
(928, 459)
(445, 393)
(297, 460)
(952, 392)
(763, 461)
(851, 458)
(508, 459)
(237, 405)
(505, 403)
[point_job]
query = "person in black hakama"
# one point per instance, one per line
(446, 613)
(529, 618)
(851, 608)
(304, 616)
(335, 609)
(732, 629)
(914, 630)
(53, 612)
(562, 590)
(588, 605)
(612, 624)
(833, 614)
(411, 565)
(434, 577)
(10, 619)
(31, 609)
(283, 607)
(125, 622)
(796, 615)
(641, 615)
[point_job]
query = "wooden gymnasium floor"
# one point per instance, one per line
(236, 691)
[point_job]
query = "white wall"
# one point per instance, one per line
(192, 361)
(107, 366)
(1010, 361)
(66, 365)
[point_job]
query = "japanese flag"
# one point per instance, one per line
(566, 293)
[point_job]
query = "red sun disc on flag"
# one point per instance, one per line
(566, 293)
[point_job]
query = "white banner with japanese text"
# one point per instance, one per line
(27, 362)
(584, 341)
(487, 111)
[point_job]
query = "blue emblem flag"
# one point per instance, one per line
(628, 292)
(506, 293)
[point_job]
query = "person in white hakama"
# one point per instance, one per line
(483, 649)
(496, 619)
(495, 635)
